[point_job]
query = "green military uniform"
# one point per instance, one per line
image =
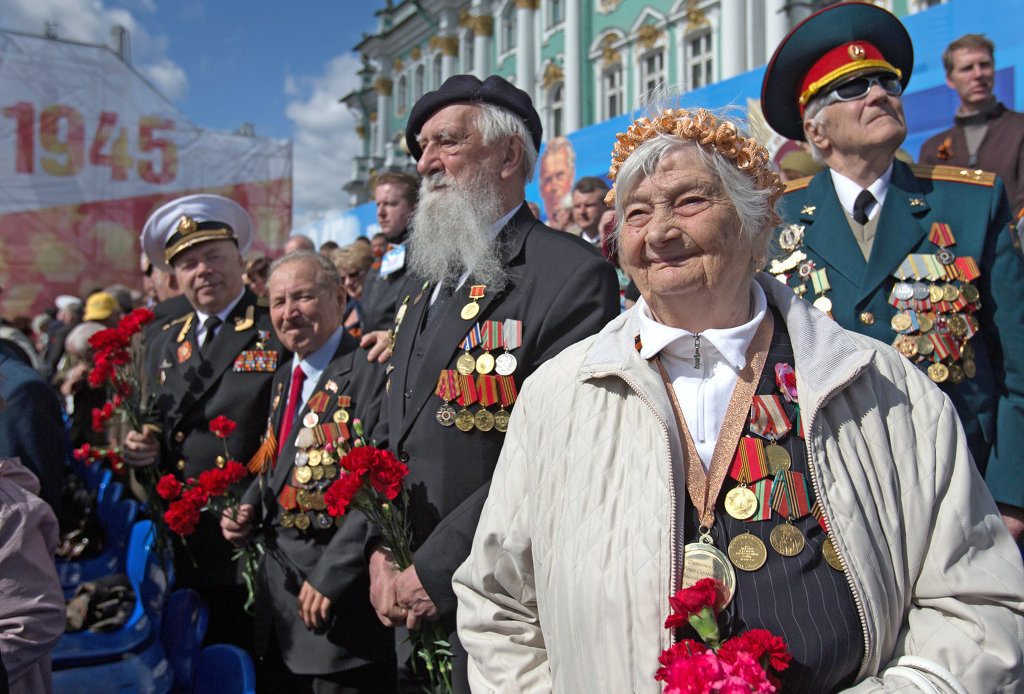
(861, 293)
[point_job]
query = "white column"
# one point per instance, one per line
(524, 46)
(383, 87)
(776, 25)
(732, 38)
(573, 67)
(482, 48)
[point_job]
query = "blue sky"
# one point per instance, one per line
(279, 65)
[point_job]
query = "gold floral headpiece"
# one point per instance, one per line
(704, 129)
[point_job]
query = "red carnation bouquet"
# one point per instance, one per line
(211, 492)
(743, 664)
(117, 366)
(371, 479)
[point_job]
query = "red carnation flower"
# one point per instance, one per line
(234, 471)
(762, 645)
(181, 517)
(168, 487)
(214, 482)
(196, 497)
(222, 426)
(340, 494)
(682, 649)
(692, 600)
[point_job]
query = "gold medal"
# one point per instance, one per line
(778, 459)
(970, 368)
(316, 501)
(484, 420)
(949, 292)
(956, 325)
(465, 364)
(935, 293)
(318, 473)
(445, 415)
(286, 519)
(303, 474)
(340, 416)
(901, 322)
(302, 498)
(702, 560)
(907, 346)
(823, 304)
(787, 540)
(330, 471)
(485, 363)
(464, 420)
(924, 345)
(302, 521)
(470, 311)
(828, 550)
(969, 292)
(924, 322)
(316, 456)
(501, 420)
(747, 552)
(956, 374)
(740, 503)
(938, 372)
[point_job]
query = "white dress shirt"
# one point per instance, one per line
(703, 392)
(847, 191)
(223, 315)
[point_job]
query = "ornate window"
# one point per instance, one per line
(613, 93)
(508, 27)
(467, 51)
(401, 96)
(652, 70)
(556, 109)
(700, 60)
(556, 12)
(417, 81)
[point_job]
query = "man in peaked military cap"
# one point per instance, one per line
(919, 257)
(493, 293)
(218, 358)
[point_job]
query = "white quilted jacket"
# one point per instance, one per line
(576, 553)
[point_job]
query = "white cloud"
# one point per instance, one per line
(90, 21)
(325, 139)
(168, 77)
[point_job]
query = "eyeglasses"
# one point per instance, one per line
(859, 87)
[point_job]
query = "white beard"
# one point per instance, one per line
(450, 232)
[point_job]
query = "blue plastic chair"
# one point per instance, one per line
(113, 559)
(184, 626)
(225, 669)
(148, 672)
(97, 477)
(150, 584)
(108, 496)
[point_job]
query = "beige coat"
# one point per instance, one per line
(576, 553)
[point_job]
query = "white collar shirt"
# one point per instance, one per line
(314, 364)
(223, 315)
(703, 393)
(847, 191)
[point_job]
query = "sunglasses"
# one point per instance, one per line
(859, 87)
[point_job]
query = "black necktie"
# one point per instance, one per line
(860, 206)
(211, 325)
(443, 295)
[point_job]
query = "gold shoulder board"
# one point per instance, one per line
(798, 183)
(181, 319)
(955, 174)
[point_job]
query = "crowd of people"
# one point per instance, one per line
(805, 391)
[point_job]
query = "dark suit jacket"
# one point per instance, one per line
(332, 560)
(187, 394)
(31, 423)
(562, 290)
(1001, 151)
(991, 405)
(381, 295)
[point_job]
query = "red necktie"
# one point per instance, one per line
(294, 405)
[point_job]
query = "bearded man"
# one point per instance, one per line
(493, 293)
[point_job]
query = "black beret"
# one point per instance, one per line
(814, 40)
(467, 88)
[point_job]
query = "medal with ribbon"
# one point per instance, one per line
(749, 465)
(507, 388)
(790, 500)
(511, 337)
(768, 420)
(466, 364)
(819, 281)
(464, 419)
(447, 390)
(470, 310)
(487, 393)
(490, 338)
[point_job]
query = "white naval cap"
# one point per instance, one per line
(184, 222)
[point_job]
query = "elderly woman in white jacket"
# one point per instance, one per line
(890, 571)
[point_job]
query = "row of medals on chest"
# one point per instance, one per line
(315, 469)
(919, 319)
(467, 365)
(747, 551)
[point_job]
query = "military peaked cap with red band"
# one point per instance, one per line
(828, 48)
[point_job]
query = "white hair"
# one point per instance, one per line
(496, 123)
